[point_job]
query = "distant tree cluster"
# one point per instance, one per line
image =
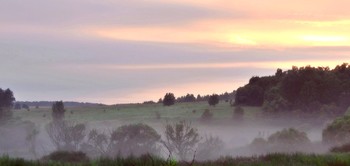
(169, 98)
(191, 98)
(306, 88)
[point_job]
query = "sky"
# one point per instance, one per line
(117, 51)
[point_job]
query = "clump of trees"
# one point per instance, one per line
(338, 132)
(169, 99)
(186, 98)
(213, 99)
(6, 103)
(306, 88)
(286, 140)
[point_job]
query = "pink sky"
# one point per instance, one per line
(114, 51)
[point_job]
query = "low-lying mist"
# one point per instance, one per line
(213, 140)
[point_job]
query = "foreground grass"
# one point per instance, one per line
(266, 160)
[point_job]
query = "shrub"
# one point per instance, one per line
(337, 132)
(341, 149)
(66, 157)
(238, 113)
(206, 116)
(289, 137)
(210, 149)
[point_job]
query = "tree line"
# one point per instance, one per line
(308, 89)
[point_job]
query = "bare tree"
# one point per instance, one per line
(181, 139)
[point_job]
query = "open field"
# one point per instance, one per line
(266, 160)
(108, 118)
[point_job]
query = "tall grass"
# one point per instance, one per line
(146, 160)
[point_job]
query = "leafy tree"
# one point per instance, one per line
(337, 132)
(127, 140)
(213, 99)
(289, 138)
(6, 103)
(135, 139)
(169, 99)
(58, 111)
(181, 139)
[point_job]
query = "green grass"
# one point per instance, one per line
(134, 113)
(266, 160)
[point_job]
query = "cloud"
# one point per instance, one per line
(68, 13)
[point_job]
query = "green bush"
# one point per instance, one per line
(337, 132)
(66, 157)
(341, 149)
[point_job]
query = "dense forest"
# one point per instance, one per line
(307, 89)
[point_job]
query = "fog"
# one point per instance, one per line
(16, 139)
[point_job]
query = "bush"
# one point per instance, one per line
(238, 113)
(337, 132)
(66, 157)
(206, 116)
(210, 149)
(289, 137)
(341, 149)
(287, 140)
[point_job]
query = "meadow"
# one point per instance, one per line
(235, 135)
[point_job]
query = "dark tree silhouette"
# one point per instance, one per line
(6, 103)
(213, 99)
(58, 111)
(169, 99)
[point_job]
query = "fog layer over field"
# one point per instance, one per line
(30, 140)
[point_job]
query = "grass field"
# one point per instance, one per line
(135, 113)
(266, 160)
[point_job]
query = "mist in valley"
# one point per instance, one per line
(31, 141)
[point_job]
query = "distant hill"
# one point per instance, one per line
(66, 103)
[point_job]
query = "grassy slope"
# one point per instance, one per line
(133, 113)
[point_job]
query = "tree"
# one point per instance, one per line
(65, 136)
(58, 111)
(337, 133)
(169, 99)
(181, 139)
(210, 149)
(134, 139)
(6, 103)
(213, 99)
